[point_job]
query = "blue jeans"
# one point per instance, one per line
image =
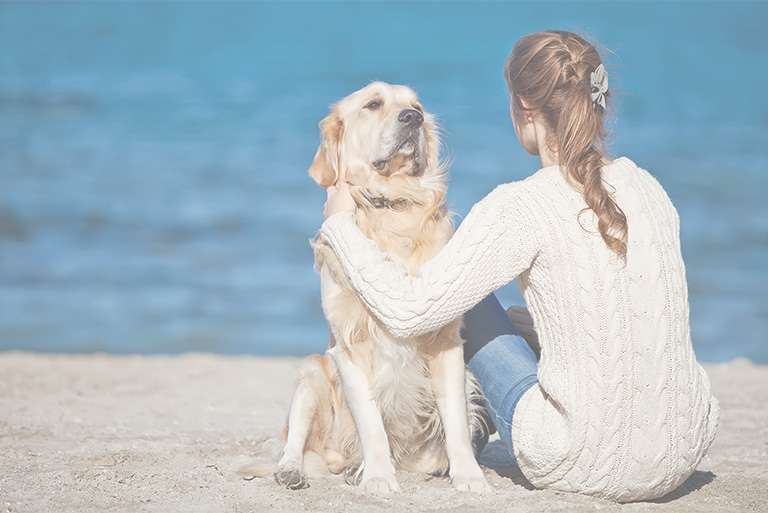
(501, 361)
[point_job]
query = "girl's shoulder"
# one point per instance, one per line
(624, 170)
(550, 182)
(527, 194)
(540, 180)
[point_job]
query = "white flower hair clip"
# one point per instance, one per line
(598, 86)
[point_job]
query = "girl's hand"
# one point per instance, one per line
(339, 200)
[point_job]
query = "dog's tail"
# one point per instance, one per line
(258, 469)
(314, 466)
(266, 465)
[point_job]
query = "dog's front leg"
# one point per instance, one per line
(449, 374)
(378, 470)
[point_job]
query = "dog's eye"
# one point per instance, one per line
(374, 105)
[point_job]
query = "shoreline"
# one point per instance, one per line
(167, 433)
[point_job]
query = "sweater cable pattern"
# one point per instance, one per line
(622, 409)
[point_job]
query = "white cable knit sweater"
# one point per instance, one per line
(622, 409)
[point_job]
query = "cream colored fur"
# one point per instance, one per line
(374, 403)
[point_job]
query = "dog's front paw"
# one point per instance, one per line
(292, 477)
(379, 484)
(471, 483)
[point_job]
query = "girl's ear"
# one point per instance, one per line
(326, 168)
(514, 107)
(525, 116)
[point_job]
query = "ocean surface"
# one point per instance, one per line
(153, 156)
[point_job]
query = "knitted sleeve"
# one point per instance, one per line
(489, 249)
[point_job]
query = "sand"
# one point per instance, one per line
(97, 433)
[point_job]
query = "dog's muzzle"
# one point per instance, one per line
(409, 123)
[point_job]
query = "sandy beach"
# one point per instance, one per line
(97, 433)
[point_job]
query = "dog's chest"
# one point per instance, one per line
(406, 238)
(402, 387)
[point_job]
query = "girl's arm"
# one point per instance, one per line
(490, 248)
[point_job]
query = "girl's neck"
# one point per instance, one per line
(548, 160)
(541, 134)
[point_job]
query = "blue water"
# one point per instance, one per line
(153, 156)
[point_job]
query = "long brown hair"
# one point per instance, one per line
(550, 71)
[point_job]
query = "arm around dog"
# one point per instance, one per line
(489, 249)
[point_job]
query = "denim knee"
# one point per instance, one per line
(506, 369)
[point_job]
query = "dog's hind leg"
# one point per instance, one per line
(378, 471)
(304, 405)
(449, 374)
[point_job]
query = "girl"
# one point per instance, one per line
(616, 406)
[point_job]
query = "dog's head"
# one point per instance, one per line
(379, 131)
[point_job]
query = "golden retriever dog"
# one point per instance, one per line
(375, 403)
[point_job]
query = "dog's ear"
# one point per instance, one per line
(431, 140)
(326, 168)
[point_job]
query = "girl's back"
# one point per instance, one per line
(622, 409)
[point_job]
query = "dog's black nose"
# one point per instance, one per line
(410, 117)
